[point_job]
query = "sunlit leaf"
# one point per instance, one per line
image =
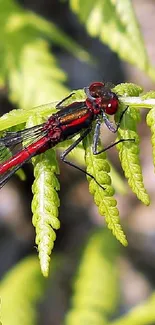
(115, 24)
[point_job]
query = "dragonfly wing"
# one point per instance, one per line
(7, 175)
(16, 145)
(72, 108)
(108, 86)
(13, 142)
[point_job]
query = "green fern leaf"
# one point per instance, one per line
(129, 154)
(45, 201)
(20, 28)
(28, 67)
(125, 12)
(115, 24)
(129, 151)
(149, 94)
(128, 89)
(20, 290)
(45, 205)
(150, 119)
(143, 314)
(117, 181)
(57, 36)
(37, 73)
(98, 167)
(20, 116)
(96, 291)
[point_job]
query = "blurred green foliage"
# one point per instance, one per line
(115, 24)
(20, 291)
(31, 75)
(97, 270)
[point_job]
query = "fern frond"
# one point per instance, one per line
(20, 28)
(115, 24)
(148, 95)
(150, 119)
(143, 314)
(57, 36)
(28, 67)
(98, 167)
(41, 80)
(129, 154)
(19, 116)
(45, 205)
(129, 151)
(117, 181)
(45, 202)
(128, 89)
(96, 293)
(20, 290)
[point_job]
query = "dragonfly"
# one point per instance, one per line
(70, 120)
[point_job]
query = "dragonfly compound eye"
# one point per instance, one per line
(112, 106)
(96, 89)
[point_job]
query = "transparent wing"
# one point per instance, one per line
(108, 86)
(13, 142)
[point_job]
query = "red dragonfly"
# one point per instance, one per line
(66, 123)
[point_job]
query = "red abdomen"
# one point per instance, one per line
(23, 155)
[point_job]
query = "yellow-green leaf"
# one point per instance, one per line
(99, 168)
(96, 292)
(129, 153)
(20, 289)
(150, 119)
(115, 24)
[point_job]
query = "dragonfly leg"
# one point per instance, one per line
(68, 150)
(110, 125)
(95, 152)
(96, 139)
(96, 135)
(63, 100)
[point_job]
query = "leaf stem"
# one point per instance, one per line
(138, 102)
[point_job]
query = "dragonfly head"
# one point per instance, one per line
(110, 103)
(100, 94)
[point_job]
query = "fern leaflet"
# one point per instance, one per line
(45, 202)
(98, 167)
(95, 295)
(129, 151)
(115, 24)
(21, 289)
